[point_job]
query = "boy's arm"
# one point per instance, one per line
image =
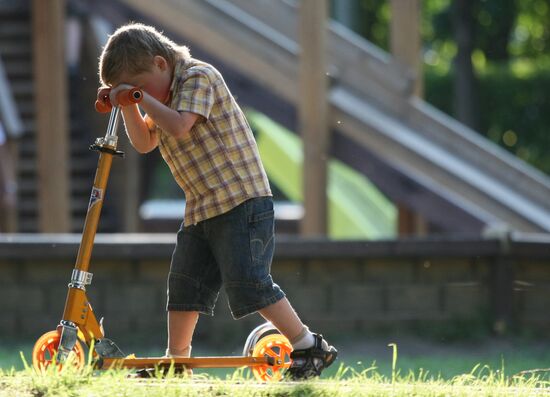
(177, 124)
(141, 137)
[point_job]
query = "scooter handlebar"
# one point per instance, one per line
(124, 98)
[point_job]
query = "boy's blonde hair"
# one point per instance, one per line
(131, 49)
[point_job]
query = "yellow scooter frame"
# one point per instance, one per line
(267, 352)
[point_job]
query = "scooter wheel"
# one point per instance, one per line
(278, 347)
(45, 348)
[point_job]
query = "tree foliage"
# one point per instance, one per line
(510, 54)
(504, 29)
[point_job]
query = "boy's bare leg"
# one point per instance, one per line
(181, 326)
(284, 318)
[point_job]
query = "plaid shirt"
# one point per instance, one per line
(217, 165)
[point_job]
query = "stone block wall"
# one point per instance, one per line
(338, 288)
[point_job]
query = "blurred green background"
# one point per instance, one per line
(509, 51)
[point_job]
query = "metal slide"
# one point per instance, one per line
(417, 155)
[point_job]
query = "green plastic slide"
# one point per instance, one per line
(357, 209)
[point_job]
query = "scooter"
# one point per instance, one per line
(266, 351)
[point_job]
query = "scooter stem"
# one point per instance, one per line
(107, 148)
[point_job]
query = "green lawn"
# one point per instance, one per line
(416, 357)
(347, 382)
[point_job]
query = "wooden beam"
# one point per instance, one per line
(405, 38)
(51, 115)
(313, 114)
(406, 48)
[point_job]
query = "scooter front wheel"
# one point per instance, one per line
(278, 347)
(45, 349)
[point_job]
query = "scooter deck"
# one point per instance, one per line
(189, 362)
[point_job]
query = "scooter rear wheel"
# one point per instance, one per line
(278, 347)
(45, 349)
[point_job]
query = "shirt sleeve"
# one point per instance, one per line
(195, 94)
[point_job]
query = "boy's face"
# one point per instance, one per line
(156, 82)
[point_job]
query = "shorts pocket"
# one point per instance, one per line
(262, 244)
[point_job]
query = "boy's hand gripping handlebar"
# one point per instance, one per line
(103, 105)
(124, 98)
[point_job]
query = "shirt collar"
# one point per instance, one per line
(179, 67)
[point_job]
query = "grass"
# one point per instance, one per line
(440, 358)
(116, 383)
(396, 379)
(480, 381)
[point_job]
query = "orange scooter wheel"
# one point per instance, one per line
(45, 349)
(278, 347)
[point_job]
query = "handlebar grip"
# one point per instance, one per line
(124, 98)
(129, 97)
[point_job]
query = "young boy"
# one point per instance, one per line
(227, 235)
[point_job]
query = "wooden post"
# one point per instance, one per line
(313, 115)
(406, 48)
(405, 39)
(52, 135)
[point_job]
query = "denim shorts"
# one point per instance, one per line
(235, 250)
